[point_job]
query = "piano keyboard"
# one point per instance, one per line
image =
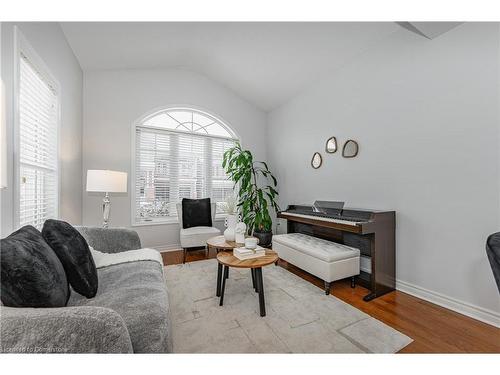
(338, 221)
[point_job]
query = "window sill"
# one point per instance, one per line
(218, 218)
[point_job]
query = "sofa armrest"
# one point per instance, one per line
(85, 329)
(110, 240)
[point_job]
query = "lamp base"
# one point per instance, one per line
(106, 207)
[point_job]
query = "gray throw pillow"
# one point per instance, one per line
(74, 254)
(31, 273)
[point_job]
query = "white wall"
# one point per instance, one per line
(48, 40)
(425, 113)
(113, 100)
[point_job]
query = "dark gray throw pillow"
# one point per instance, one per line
(196, 213)
(74, 254)
(31, 273)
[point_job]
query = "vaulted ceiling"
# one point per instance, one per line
(265, 63)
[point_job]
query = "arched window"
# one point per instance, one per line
(178, 154)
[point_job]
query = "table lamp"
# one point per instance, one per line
(104, 181)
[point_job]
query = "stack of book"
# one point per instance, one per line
(243, 253)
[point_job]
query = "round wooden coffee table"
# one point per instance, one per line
(227, 259)
(219, 243)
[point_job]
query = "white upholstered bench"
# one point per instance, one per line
(327, 260)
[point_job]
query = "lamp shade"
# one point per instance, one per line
(106, 181)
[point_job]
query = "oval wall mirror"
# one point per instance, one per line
(331, 145)
(316, 160)
(350, 149)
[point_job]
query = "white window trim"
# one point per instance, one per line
(21, 45)
(138, 122)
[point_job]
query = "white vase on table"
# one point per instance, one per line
(239, 232)
(230, 224)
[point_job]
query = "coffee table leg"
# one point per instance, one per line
(226, 270)
(252, 271)
(260, 285)
(219, 277)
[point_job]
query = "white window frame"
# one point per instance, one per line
(22, 46)
(138, 123)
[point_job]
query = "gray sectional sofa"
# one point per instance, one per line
(129, 314)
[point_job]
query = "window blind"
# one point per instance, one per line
(171, 165)
(38, 144)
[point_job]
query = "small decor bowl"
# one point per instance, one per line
(251, 243)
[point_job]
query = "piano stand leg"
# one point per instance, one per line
(369, 297)
(327, 288)
(353, 282)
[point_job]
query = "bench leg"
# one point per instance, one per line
(327, 288)
(353, 282)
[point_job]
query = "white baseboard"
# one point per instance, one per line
(165, 248)
(473, 311)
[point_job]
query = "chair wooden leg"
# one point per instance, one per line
(353, 282)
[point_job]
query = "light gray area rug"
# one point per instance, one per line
(300, 317)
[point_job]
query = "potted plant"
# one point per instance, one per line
(256, 191)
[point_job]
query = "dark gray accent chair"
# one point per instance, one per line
(129, 314)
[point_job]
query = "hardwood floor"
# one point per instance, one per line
(434, 329)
